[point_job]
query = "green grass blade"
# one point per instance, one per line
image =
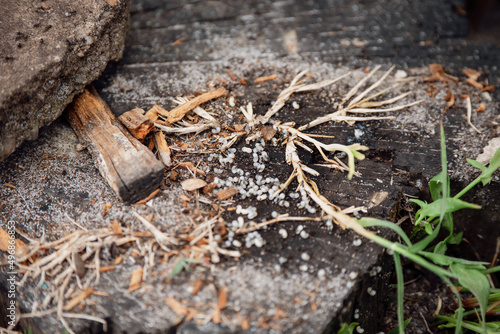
(445, 180)
(401, 289)
(370, 222)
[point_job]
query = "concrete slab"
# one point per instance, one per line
(49, 51)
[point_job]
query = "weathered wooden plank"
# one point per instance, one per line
(128, 166)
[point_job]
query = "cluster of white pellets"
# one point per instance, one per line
(254, 238)
(301, 232)
(305, 202)
(375, 271)
(260, 187)
(259, 154)
(221, 158)
(250, 212)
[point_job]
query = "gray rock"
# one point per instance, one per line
(49, 51)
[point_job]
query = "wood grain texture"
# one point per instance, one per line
(128, 166)
(137, 123)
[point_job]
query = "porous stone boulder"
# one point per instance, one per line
(49, 51)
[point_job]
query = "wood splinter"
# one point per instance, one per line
(137, 123)
(162, 148)
(128, 166)
(178, 113)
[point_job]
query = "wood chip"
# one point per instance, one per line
(178, 113)
(245, 324)
(209, 188)
(78, 299)
(135, 280)
(482, 107)
(226, 193)
(216, 317)
(176, 306)
(377, 198)
(137, 123)
(106, 268)
(179, 41)
(239, 127)
(268, 132)
(232, 75)
(190, 166)
(438, 74)
(117, 229)
(185, 198)
(5, 241)
(474, 83)
(162, 148)
(152, 113)
(222, 299)
(193, 184)
(472, 74)
(118, 260)
(10, 185)
(450, 100)
(197, 286)
(152, 195)
(488, 88)
(266, 78)
(100, 293)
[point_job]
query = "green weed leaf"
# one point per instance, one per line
(429, 211)
(395, 330)
(422, 244)
(437, 185)
(445, 260)
(181, 264)
(492, 327)
(441, 247)
(477, 283)
(487, 172)
(347, 328)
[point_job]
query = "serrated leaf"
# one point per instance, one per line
(477, 283)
